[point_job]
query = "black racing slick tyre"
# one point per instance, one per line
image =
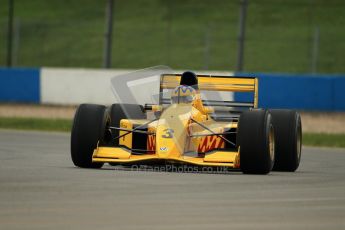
(117, 112)
(288, 136)
(256, 142)
(88, 128)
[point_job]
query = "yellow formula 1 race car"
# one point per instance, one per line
(185, 128)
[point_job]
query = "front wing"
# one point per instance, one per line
(121, 155)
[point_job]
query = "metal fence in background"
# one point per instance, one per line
(280, 36)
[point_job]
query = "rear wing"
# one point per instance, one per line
(217, 83)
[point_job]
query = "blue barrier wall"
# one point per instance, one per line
(339, 93)
(304, 92)
(20, 85)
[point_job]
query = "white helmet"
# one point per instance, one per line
(183, 94)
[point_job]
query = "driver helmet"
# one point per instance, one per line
(183, 94)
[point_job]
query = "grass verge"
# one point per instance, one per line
(44, 124)
(64, 125)
(324, 139)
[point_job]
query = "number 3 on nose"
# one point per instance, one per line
(168, 133)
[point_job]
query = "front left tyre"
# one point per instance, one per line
(88, 129)
(256, 142)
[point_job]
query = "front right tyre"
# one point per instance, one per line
(88, 129)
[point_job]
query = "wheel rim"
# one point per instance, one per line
(271, 143)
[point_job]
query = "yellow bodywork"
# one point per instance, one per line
(175, 138)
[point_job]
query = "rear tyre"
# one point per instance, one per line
(288, 134)
(114, 114)
(88, 128)
(256, 142)
(117, 112)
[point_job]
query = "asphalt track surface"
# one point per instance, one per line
(41, 189)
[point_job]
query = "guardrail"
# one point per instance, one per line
(302, 92)
(20, 85)
(73, 86)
